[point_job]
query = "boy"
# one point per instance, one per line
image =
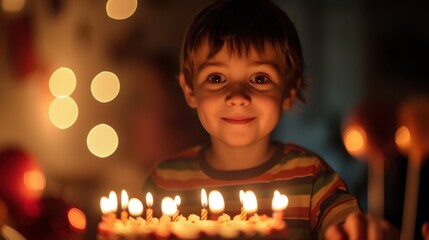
(241, 66)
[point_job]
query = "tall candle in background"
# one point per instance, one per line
(414, 117)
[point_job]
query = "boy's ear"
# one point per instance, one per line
(187, 91)
(289, 99)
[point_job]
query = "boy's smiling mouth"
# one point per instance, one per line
(238, 120)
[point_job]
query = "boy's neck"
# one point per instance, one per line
(225, 157)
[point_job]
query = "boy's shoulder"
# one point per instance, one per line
(294, 151)
(186, 156)
(291, 148)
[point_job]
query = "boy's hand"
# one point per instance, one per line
(425, 230)
(359, 226)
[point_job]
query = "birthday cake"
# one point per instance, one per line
(172, 225)
(225, 227)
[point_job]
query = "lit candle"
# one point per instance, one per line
(204, 204)
(356, 141)
(113, 199)
(250, 204)
(149, 210)
(108, 216)
(135, 207)
(124, 205)
(279, 204)
(243, 214)
(168, 206)
(177, 200)
(216, 204)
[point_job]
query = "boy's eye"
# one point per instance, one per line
(216, 78)
(260, 79)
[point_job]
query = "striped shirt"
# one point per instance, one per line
(317, 196)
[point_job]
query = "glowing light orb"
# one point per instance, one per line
(403, 138)
(63, 112)
(76, 219)
(105, 86)
(354, 140)
(121, 9)
(34, 180)
(62, 82)
(102, 140)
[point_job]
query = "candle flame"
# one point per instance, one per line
(168, 206)
(280, 201)
(177, 200)
(216, 202)
(250, 204)
(105, 205)
(149, 199)
(135, 206)
(113, 201)
(124, 200)
(241, 196)
(203, 198)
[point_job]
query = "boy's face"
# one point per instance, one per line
(239, 99)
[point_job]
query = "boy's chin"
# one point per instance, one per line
(237, 141)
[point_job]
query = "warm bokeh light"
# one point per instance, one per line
(105, 86)
(62, 82)
(168, 206)
(63, 112)
(12, 5)
(11, 233)
(135, 207)
(102, 140)
(34, 180)
(354, 140)
(403, 138)
(121, 9)
(216, 202)
(77, 219)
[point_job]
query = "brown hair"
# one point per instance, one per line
(242, 24)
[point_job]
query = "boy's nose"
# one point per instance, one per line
(237, 99)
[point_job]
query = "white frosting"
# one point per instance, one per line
(192, 228)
